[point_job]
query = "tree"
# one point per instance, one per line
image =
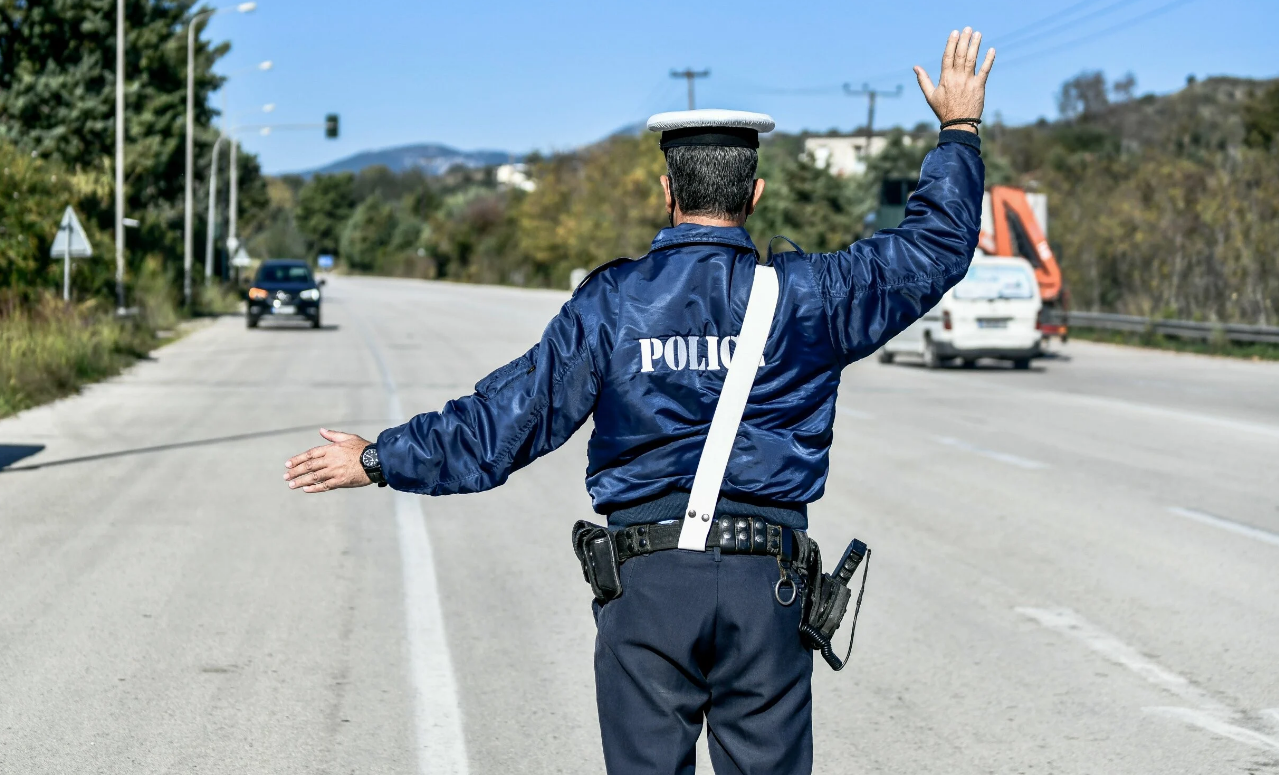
(1261, 118)
(324, 205)
(367, 234)
(1083, 95)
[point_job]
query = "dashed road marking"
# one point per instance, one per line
(1204, 518)
(1002, 457)
(1209, 714)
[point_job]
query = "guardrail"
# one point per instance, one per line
(1184, 329)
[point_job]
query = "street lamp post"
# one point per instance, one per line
(119, 155)
(212, 219)
(188, 236)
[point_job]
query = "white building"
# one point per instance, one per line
(514, 176)
(847, 155)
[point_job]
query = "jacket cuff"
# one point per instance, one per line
(959, 136)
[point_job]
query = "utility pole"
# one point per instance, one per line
(690, 74)
(119, 155)
(232, 241)
(870, 94)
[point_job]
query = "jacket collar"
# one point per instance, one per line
(694, 233)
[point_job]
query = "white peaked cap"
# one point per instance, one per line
(710, 118)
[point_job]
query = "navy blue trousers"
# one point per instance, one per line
(697, 635)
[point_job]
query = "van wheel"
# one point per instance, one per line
(885, 356)
(931, 359)
(1021, 364)
(250, 321)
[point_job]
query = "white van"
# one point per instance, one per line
(992, 313)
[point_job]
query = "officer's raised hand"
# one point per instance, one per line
(960, 92)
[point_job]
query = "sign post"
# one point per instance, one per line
(70, 243)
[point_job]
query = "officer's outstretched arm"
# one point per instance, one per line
(881, 285)
(523, 410)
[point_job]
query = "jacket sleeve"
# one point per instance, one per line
(525, 409)
(881, 285)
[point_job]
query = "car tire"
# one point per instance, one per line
(316, 322)
(931, 359)
(968, 363)
(885, 356)
(1021, 364)
(250, 321)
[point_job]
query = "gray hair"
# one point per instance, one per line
(711, 180)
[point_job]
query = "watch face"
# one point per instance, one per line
(369, 457)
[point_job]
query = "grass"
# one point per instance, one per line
(50, 349)
(1257, 351)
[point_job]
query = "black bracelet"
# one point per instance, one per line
(954, 121)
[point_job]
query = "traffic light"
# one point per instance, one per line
(331, 126)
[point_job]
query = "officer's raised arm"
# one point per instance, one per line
(881, 285)
(525, 409)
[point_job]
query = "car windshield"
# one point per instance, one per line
(996, 282)
(284, 273)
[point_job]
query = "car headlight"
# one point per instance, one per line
(311, 294)
(257, 294)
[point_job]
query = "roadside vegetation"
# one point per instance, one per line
(57, 108)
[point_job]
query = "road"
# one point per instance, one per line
(1074, 567)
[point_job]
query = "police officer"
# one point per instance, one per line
(645, 345)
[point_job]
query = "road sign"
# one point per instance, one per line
(70, 243)
(71, 235)
(325, 261)
(241, 258)
(232, 245)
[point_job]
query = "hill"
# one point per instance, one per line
(431, 158)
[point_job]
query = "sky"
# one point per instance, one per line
(522, 76)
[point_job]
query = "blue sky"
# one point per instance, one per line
(520, 76)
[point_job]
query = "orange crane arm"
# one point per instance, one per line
(1017, 233)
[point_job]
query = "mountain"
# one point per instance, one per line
(431, 158)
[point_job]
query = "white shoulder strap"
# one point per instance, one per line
(742, 368)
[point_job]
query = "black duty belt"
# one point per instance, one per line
(731, 535)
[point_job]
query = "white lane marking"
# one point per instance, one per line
(1216, 724)
(1067, 622)
(855, 413)
(1204, 518)
(1003, 457)
(441, 746)
(1210, 715)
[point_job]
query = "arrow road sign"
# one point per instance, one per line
(70, 243)
(71, 234)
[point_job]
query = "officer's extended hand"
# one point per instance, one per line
(961, 90)
(329, 467)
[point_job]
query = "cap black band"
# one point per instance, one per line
(723, 136)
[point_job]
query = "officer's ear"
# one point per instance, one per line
(759, 192)
(670, 198)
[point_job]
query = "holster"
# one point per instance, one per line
(595, 549)
(826, 599)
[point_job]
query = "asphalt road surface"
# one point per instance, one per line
(1074, 567)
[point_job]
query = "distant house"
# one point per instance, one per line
(846, 154)
(514, 176)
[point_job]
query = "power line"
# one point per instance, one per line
(1050, 17)
(1051, 31)
(1101, 33)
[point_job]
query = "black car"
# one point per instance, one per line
(284, 288)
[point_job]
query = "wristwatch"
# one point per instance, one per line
(372, 466)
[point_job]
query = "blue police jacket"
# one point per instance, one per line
(644, 346)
